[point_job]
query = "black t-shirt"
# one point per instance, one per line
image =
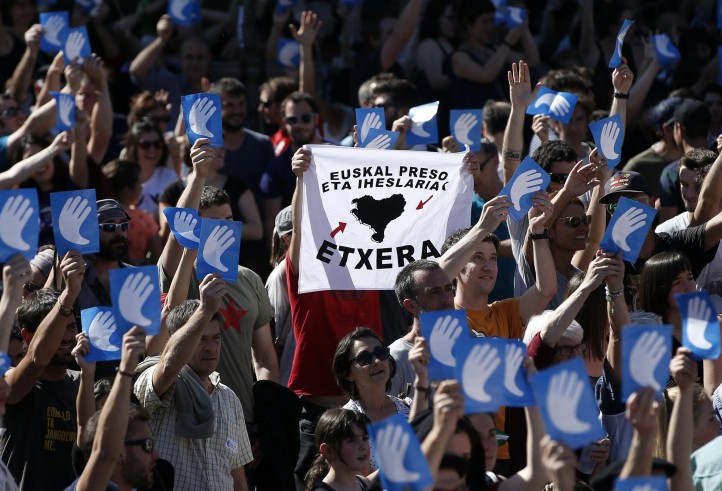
(38, 435)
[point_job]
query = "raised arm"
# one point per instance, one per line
(52, 80)
(419, 360)
(144, 61)
(16, 271)
(642, 414)
(113, 421)
(50, 332)
(23, 74)
(464, 66)
(710, 194)
(300, 163)
(622, 78)
(560, 463)
(182, 344)
(402, 32)
(78, 167)
(597, 211)
(618, 317)
(26, 168)
(521, 96)
(85, 400)
(101, 120)
(681, 423)
(448, 408)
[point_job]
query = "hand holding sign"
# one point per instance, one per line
(527, 179)
(185, 225)
(700, 326)
(646, 352)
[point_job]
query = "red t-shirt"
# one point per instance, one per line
(320, 320)
(280, 141)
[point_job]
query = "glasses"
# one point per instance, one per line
(32, 287)
(576, 221)
(558, 178)
(566, 351)
(266, 103)
(9, 112)
(160, 118)
(147, 444)
(111, 227)
(365, 358)
(147, 145)
(303, 118)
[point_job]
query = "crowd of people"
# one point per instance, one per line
(251, 384)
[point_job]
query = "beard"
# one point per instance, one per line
(234, 125)
(136, 474)
(114, 250)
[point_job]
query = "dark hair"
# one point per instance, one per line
(477, 466)
(132, 138)
(60, 174)
(180, 315)
(141, 104)
(457, 235)
(299, 97)
(471, 9)
(554, 151)
(495, 115)
(36, 307)
(229, 86)
(701, 175)
(213, 196)
(697, 158)
(333, 427)
(656, 280)
(342, 360)
(405, 286)
(279, 88)
(123, 174)
(592, 317)
(279, 249)
(401, 93)
(136, 413)
(365, 94)
(102, 387)
(429, 27)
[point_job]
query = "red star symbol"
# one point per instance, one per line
(233, 316)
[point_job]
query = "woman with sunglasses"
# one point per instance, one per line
(146, 145)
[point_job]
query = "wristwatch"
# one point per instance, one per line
(541, 236)
(64, 311)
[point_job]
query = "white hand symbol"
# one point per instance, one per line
(100, 330)
(463, 126)
(631, 220)
(287, 53)
(515, 13)
(559, 106)
(610, 132)
(65, 105)
(418, 129)
(443, 336)
(381, 142)
(528, 182)
(72, 216)
(52, 27)
(218, 242)
(391, 446)
(201, 111)
(371, 121)
(698, 312)
(421, 115)
(512, 363)
(663, 44)
(565, 391)
(13, 218)
(74, 44)
(646, 354)
(545, 100)
(478, 367)
(184, 225)
(135, 291)
(177, 7)
(643, 487)
(620, 39)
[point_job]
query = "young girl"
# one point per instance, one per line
(343, 452)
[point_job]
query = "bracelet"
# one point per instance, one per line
(540, 236)
(511, 154)
(64, 311)
(126, 374)
(425, 390)
(619, 95)
(612, 294)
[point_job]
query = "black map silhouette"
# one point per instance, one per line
(377, 214)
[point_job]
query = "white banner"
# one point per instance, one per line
(368, 213)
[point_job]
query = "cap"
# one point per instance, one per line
(604, 481)
(624, 182)
(663, 112)
(109, 209)
(691, 112)
(284, 221)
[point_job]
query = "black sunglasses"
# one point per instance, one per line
(160, 118)
(304, 118)
(266, 103)
(566, 351)
(365, 358)
(111, 227)
(9, 112)
(558, 177)
(32, 287)
(147, 145)
(576, 221)
(147, 444)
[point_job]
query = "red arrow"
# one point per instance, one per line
(341, 227)
(422, 203)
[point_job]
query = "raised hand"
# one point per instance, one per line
(72, 216)
(101, 328)
(133, 349)
(135, 291)
(201, 111)
(371, 121)
(16, 272)
(93, 68)
(494, 212)
(164, 28)
(512, 363)
(540, 212)
(642, 412)
(184, 225)
(582, 178)
(697, 314)
(80, 351)
(73, 269)
(202, 155)
(647, 353)
(380, 142)
(73, 46)
(14, 216)
(308, 29)
(218, 242)
(392, 444)
(560, 463)
(463, 127)
(520, 92)
(683, 368)
(177, 7)
(301, 161)
(477, 370)
(528, 182)
(610, 133)
(631, 220)
(212, 290)
(52, 27)
(444, 334)
(562, 401)
(419, 359)
(540, 126)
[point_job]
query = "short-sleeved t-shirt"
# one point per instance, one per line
(249, 161)
(669, 191)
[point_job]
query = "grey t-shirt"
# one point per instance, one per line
(404, 371)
